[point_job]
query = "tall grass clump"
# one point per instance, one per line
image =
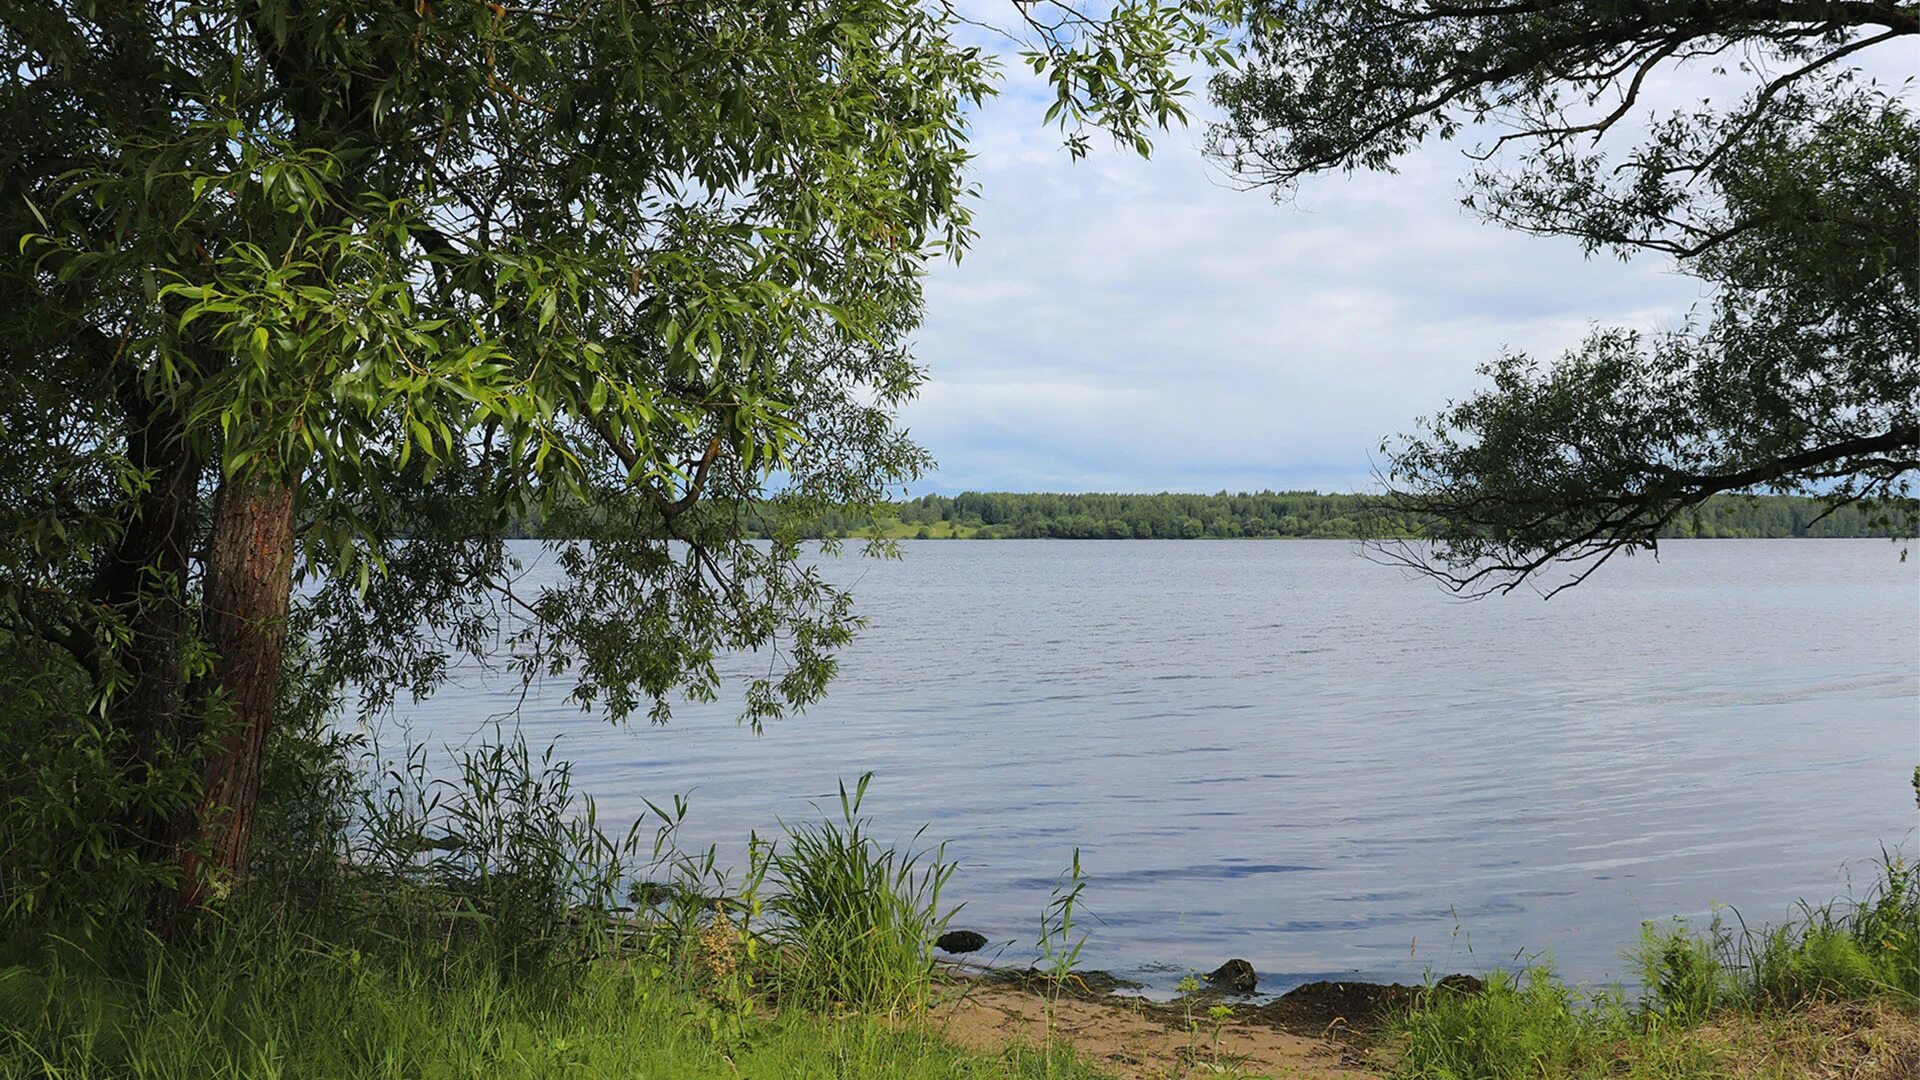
(852, 921)
(504, 851)
(1525, 1026)
(1531, 1026)
(1686, 974)
(258, 1000)
(1851, 949)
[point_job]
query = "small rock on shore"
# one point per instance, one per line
(960, 941)
(1236, 976)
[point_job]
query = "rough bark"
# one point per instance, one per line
(249, 586)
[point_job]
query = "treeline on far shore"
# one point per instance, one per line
(1265, 515)
(976, 515)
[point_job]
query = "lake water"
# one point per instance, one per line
(1283, 752)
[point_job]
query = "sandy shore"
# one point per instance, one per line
(1304, 1035)
(1136, 1041)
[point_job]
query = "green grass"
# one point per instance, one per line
(1857, 949)
(854, 921)
(502, 949)
(1706, 993)
(1531, 1025)
(259, 1001)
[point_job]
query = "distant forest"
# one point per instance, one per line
(1276, 515)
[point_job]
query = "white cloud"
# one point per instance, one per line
(1137, 325)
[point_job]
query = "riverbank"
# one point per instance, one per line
(260, 1002)
(828, 970)
(1833, 994)
(1134, 1039)
(491, 931)
(265, 999)
(1130, 1039)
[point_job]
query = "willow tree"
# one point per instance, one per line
(1794, 197)
(340, 291)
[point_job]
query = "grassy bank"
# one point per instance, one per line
(265, 1000)
(356, 993)
(1833, 993)
(479, 925)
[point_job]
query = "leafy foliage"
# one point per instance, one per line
(478, 260)
(1803, 381)
(1339, 86)
(1795, 204)
(65, 794)
(1116, 67)
(399, 274)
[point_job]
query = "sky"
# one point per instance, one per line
(1130, 325)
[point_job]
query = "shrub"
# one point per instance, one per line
(505, 853)
(1523, 1025)
(853, 922)
(1683, 974)
(1849, 949)
(85, 804)
(1530, 1026)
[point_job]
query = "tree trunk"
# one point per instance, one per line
(249, 586)
(145, 579)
